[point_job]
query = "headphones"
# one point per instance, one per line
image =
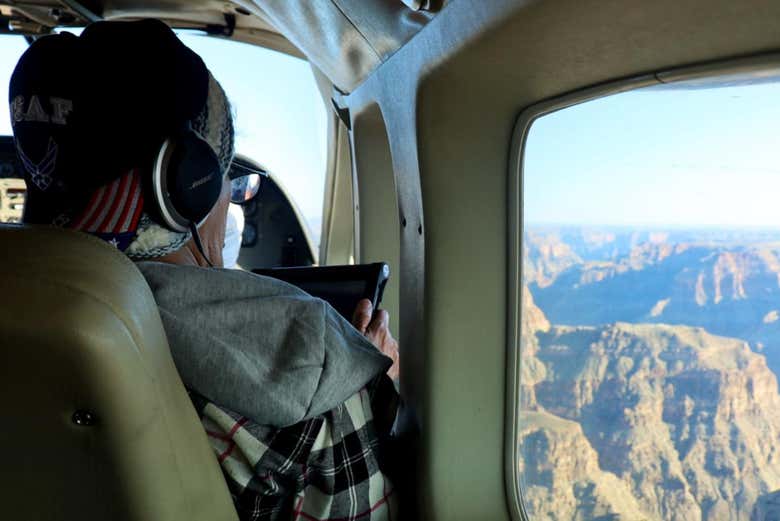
(186, 180)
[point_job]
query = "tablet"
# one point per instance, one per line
(341, 286)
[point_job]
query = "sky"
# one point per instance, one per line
(659, 157)
(280, 115)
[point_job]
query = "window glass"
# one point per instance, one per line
(651, 307)
(280, 116)
(11, 48)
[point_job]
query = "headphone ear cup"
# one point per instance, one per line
(186, 180)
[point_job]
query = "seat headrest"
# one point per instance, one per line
(95, 412)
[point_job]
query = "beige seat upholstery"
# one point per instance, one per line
(96, 424)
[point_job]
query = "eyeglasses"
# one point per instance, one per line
(245, 181)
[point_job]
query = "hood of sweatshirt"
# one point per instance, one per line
(259, 346)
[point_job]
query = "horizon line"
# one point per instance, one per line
(655, 226)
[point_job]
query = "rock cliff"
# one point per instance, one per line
(641, 421)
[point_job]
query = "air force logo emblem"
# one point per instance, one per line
(40, 109)
(41, 172)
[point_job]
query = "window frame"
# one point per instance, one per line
(339, 208)
(756, 64)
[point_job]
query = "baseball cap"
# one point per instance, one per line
(85, 109)
(90, 112)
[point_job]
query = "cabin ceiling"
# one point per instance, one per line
(345, 39)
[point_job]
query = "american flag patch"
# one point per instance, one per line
(114, 210)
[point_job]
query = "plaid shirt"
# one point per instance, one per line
(326, 468)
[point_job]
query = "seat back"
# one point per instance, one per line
(96, 422)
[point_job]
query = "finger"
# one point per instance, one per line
(380, 322)
(362, 315)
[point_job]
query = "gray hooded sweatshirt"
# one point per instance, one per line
(259, 346)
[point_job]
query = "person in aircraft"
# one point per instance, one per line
(124, 134)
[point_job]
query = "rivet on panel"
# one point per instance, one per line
(84, 418)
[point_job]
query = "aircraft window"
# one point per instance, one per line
(281, 120)
(280, 117)
(650, 298)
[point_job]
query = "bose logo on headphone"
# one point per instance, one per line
(186, 172)
(201, 181)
